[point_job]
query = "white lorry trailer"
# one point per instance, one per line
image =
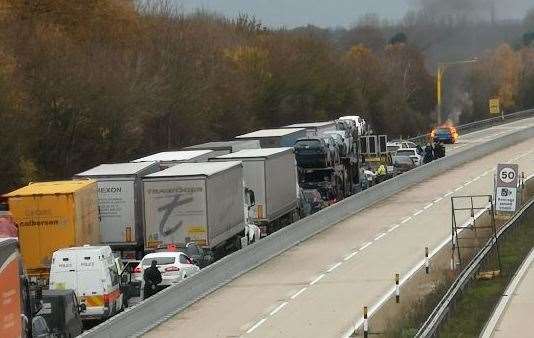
(273, 138)
(271, 174)
(226, 147)
(195, 202)
(120, 202)
(167, 159)
(315, 129)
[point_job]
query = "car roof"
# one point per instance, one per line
(163, 254)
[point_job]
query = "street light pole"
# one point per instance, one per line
(442, 66)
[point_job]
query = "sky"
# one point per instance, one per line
(329, 13)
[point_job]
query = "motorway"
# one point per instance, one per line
(318, 288)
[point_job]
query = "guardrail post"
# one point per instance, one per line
(427, 261)
(397, 288)
(365, 323)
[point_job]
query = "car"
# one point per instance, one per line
(334, 150)
(339, 142)
(414, 153)
(446, 134)
(403, 163)
(61, 310)
(312, 201)
(361, 125)
(174, 266)
(312, 153)
(344, 140)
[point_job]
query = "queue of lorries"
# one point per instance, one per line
(184, 209)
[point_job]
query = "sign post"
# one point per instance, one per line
(506, 187)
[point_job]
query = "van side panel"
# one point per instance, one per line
(225, 205)
(46, 224)
(87, 224)
(63, 274)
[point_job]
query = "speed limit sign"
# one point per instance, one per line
(507, 175)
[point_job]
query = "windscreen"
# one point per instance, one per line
(159, 260)
(308, 144)
(443, 130)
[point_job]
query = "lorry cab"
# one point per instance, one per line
(90, 271)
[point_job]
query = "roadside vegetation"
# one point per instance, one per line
(89, 82)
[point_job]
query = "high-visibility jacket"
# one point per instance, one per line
(381, 170)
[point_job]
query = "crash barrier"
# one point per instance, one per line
(439, 315)
(160, 307)
(421, 139)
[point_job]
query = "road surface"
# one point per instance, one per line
(318, 288)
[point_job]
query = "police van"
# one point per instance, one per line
(91, 271)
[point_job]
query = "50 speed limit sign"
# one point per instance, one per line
(507, 175)
(506, 187)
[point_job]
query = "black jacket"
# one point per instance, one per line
(152, 276)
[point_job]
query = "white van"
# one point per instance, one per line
(92, 273)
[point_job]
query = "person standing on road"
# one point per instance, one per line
(152, 278)
(429, 153)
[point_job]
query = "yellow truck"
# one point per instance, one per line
(52, 216)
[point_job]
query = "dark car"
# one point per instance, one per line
(312, 200)
(445, 135)
(312, 153)
(61, 310)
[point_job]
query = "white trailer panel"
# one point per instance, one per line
(120, 201)
(271, 174)
(168, 159)
(201, 202)
(315, 129)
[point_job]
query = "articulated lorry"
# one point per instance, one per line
(201, 203)
(120, 201)
(271, 174)
(52, 216)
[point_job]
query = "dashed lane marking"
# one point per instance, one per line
(321, 276)
(299, 292)
(277, 309)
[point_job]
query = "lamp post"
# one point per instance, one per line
(442, 66)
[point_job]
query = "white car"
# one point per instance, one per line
(360, 123)
(413, 153)
(174, 266)
(393, 146)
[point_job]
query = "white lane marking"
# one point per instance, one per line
(366, 245)
(321, 276)
(299, 292)
(256, 325)
(278, 308)
(418, 212)
(403, 280)
(429, 205)
(459, 188)
(394, 227)
(350, 256)
(406, 220)
(448, 194)
(337, 265)
(467, 183)
(380, 236)
(476, 178)
(437, 200)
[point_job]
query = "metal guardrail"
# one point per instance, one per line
(148, 314)
(420, 139)
(431, 326)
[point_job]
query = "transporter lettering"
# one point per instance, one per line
(107, 190)
(177, 190)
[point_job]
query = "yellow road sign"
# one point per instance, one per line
(494, 106)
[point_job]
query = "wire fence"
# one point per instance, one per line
(516, 230)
